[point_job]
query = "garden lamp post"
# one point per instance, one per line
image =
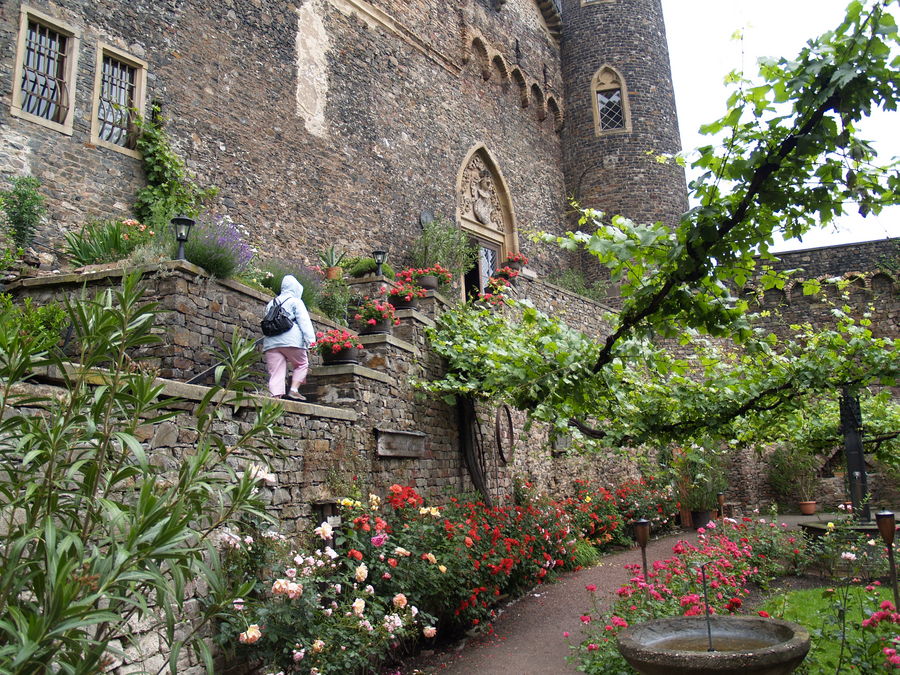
(642, 534)
(720, 498)
(887, 525)
(183, 226)
(380, 257)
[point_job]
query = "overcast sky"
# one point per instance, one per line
(702, 52)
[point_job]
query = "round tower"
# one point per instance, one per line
(620, 110)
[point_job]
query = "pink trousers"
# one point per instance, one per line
(276, 363)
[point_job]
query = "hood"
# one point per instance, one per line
(290, 286)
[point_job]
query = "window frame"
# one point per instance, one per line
(140, 90)
(73, 38)
(607, 79)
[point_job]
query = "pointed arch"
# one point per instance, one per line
(554, 109)
(500, 65)
(612, 112)
(484, 210)
(537, 95)
(479, 48)
(519, 79)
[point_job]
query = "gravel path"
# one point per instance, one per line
(528, 635)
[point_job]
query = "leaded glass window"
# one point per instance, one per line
(609, 105)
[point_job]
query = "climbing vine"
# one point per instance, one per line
(171, 188)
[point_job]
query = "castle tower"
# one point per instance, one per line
(620, 110)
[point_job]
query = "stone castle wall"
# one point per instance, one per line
(324, 122)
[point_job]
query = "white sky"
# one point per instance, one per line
(702, 52)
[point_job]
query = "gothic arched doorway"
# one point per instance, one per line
(484, 211)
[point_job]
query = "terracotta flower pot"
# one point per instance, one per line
(807, 508)
(334, 273)
(345, 356)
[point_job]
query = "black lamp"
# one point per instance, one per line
(183, 226)
(380, 257)
(887, 524)
(720, 498)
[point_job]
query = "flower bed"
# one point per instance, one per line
(673, 585)
(395, 573)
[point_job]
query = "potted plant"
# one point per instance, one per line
(699, 476)
(442, 242)
(331, 260)
(793, 475)
(375, 316)
(515, 261)
(429, 278)
(337, 346)
(406, 295)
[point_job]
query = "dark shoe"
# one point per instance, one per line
(294, 397)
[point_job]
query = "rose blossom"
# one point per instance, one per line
(251, 635)
(429, 631)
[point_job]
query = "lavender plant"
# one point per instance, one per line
(217, 245)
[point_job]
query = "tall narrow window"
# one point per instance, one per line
(609, 104)
(45, 68)
(118, 99)
(611, 113)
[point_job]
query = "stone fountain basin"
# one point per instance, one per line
(745, 645)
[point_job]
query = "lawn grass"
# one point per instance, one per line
(817, 610)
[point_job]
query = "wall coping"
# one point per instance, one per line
(196, 392)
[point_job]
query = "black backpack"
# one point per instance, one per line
(276, 321)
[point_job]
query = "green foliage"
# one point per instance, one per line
(172, 189)
(216, 244)
(333, 300)
(275, 270)
(361, 267)
(574, 280)
(699, 475)
(442, 242)
(330, 257)
(585, 554)
(42, 324)
(835, 617)
(98, 536)
(792, 472)
(106, 241)
(22, 209)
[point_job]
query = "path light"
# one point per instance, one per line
(642, 534)
(380, 257)
(887, 524)
(720, 498)
(183, 226)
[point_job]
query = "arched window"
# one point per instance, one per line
(611, 111)
(484, 211)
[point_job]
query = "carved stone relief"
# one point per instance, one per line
(480, 198)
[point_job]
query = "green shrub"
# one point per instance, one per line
(42, 323)
(23, 209)
(274, 271)
(216, 245)
(585, 553)
(360, 267)
(333, 300)
(106, 241)
(442, 242)
(98, 538)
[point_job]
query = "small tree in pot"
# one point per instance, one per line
(792, 475)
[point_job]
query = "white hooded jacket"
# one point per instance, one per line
(301, 334)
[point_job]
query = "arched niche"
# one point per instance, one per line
(484, 211)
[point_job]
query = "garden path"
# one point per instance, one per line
(528, 636)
